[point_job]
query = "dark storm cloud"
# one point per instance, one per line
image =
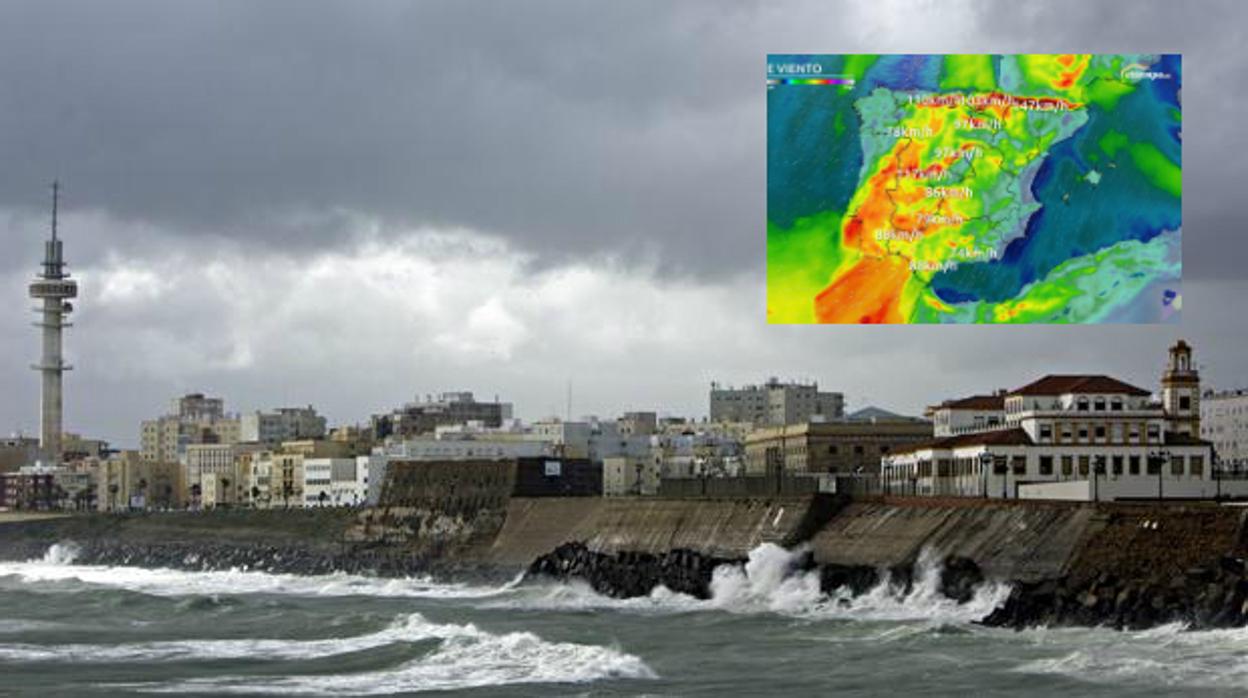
(570, 127)
(632, 129)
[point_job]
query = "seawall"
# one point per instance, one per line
(1128, 565)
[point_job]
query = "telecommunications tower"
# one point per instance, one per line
(55, 288)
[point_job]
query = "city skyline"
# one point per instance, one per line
(354, 242)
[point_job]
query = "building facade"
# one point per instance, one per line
(424, 417)
(194, 419)
(1224, 421)
(775, 403)
(846, 446)
(281, 424)
(1087, 437)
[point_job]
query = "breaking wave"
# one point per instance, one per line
(57, 566)
(1168, 655)
(772, 581)
(464, 657)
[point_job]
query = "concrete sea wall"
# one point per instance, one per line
(1128, 565)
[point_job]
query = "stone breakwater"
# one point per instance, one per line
(1205, 596)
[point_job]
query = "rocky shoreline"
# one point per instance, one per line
(633, 574)
(1202, 597)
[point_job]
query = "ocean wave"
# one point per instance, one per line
(407, 629)
(57, 565)
(1168, 655)
(465, 657)
(772, 581)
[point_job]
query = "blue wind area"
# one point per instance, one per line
(814, 152)
(1079, 218)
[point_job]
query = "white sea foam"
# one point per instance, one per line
(771, 581)
(57, 566)
(465, 657)
(402, 630)
(1167, 655)
(924, 601)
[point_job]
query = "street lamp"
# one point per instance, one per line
(985, 462)
(1098, 469)
(1158, 459)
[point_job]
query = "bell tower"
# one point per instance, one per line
(1180, 391)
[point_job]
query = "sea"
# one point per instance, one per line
(68, 629)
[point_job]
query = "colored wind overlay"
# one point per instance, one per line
(973, 188)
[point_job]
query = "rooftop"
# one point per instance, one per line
(1078, 383)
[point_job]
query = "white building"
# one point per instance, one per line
(1065, 437)
(968, 415)
(333, 482)
(282, 424)
(1224, 421)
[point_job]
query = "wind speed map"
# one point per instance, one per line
(974, 188)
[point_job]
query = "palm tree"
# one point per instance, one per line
(255, 495)
(225, 489)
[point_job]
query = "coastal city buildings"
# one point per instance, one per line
(1066, 436)
(1082, 437)
(774, 403)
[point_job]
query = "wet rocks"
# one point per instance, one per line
(630, 574)
(1204, 596)
(959, 576)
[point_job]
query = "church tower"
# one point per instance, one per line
(1180, 391)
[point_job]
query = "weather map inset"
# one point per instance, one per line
(974, 188)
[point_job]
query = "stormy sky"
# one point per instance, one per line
(349, 204)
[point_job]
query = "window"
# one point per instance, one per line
(1083, 404)
(1083, 433)
(1135, 432)
(1084, 463)
(1100, 432)
(1046, 465)
(1196, 466)
(1116, 405)
(1046, 432)
(1154, 465)
(1117, 465)
(858, 450)
(1133, 465)
(1099, 405)
(832, 450)
(1185, 402)
(1154, 433)
(1176, 465)
(1068, 465)
(1066, 433)
(1019, 465)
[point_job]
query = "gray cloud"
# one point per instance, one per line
(631, 129)
(626, 139)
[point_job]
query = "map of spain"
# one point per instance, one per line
(973, 188)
